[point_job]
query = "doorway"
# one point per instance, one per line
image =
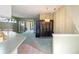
(30, 26)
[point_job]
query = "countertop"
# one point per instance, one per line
(12, 42)
(65, 43)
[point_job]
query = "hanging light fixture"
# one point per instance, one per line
(47, 20)
(10, 21)
(46, 16)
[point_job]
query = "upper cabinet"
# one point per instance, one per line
(5, 10)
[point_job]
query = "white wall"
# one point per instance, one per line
(74, 14)
(62, 21)
(5, 10)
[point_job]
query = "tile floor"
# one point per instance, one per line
(33, 45)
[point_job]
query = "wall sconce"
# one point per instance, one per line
(47, 20)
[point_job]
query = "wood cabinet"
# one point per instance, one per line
(44, 28)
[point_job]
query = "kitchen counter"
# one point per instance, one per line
(11, 43)
(65, 43)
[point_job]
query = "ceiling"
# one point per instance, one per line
(32, 11)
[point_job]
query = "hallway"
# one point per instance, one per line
(35, 45)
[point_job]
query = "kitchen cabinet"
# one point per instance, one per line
(44, 28)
